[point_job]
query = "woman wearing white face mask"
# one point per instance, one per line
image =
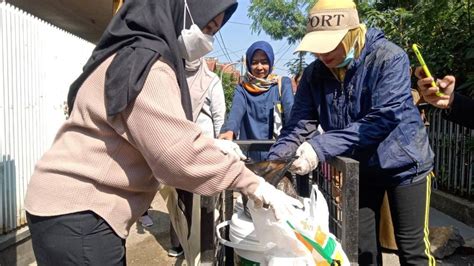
(194, 43)
(207, 97)
(208, 104)
(129, 130)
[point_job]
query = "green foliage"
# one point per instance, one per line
(296, 65)
(228, 83)
(280, 18)
(442, 27)
(470, 144)
(391, 4)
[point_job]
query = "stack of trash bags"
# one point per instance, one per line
(302, 239)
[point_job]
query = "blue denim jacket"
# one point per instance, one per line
(369, 117)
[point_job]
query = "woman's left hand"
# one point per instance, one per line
(307, 160)
(430, 93)
(229, 147)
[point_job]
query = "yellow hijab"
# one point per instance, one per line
(356, 38)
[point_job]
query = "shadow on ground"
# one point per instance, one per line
(149, 245)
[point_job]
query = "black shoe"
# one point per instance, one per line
(175, 251)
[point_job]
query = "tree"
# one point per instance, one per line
(442, 27)
(296, 65)
(280, 19)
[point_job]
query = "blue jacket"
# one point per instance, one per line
(251, 116)
(369, 117)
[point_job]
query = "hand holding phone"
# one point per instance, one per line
(425, 67)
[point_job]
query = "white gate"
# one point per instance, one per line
(38, 62)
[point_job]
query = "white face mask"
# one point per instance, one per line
(191, 66)
(193, 44)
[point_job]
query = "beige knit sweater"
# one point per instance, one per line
(113, 166)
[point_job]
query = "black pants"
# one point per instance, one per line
(174, 237)
(82, 238)
(409, 208)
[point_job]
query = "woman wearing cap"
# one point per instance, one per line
(359, 91)
(129, 130)
(260, 101)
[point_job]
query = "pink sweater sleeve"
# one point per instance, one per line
(173, 147)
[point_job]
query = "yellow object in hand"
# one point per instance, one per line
(425, 68)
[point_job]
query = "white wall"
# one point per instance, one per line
(38, 62)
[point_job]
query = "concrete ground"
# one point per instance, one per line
(148, 246)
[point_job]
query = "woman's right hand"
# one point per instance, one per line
(229, 135)
(281, 204)
(446, 86)
(229, 147)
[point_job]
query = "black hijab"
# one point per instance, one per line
(140, 33)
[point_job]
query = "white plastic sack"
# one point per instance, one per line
(287, 249)
(318, 209)
(304, 239)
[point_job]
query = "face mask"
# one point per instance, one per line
(193, 44)
(191, 66)
(349, 57)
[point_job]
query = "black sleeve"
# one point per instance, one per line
(461, 111)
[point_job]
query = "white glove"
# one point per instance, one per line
(281, 204)
(229, 147)
(307, 160)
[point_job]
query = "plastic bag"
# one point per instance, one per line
(305, 236)
(324, 247)
(287, 249)
(318, 209)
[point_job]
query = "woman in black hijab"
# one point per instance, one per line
(129, 131)
(140, 33)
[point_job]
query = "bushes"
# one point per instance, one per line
(228, 83)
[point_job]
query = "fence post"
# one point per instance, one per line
(208, 230)
(350, 205)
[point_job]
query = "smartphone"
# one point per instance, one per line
(425, 67)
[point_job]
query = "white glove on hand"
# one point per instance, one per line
(281, 204)
(229, 147)
(307, 160)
